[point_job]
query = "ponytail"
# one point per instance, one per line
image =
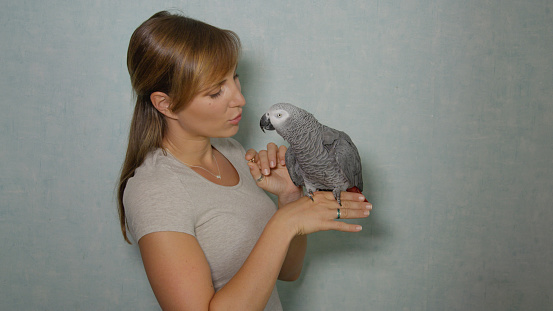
(146, 134)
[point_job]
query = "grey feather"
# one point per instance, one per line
(293, 168)
(347, 156)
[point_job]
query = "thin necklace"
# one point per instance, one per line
(205, 169)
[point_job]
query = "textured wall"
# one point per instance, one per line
(450, 104)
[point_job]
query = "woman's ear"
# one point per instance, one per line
(162, 102)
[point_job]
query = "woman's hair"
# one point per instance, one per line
(180, 57)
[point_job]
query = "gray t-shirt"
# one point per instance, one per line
(166, 195)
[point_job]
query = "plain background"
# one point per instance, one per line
(449, 102)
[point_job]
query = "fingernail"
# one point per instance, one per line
(361, 198)
(266, 171)
(366, 213)
(272, 163)
(369, 206)
(358, 228)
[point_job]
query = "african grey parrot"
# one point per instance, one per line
(319, 157)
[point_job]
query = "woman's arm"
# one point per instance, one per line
(177, 270)
(293, 263)
(271, 162)
(252, 285)
(180, 276)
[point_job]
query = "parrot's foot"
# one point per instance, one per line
(336, 192)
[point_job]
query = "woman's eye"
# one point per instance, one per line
(216, 94)
(279, 115)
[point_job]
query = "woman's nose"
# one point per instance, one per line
(238, 99)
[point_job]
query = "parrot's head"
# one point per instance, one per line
(278, 117)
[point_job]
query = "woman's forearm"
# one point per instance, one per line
(293, 263)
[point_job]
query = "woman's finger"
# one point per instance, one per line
(346, 213)
(272, 151)
(251, 155)
(352, 196)
(282, 155)
(256, 172)
(343, 226)
(356, 205)
(355, 200)
(264, 162)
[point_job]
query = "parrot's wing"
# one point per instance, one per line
(341, 146)
(293, 168)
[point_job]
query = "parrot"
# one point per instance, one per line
(319, 157)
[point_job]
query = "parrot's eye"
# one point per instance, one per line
(279, 115)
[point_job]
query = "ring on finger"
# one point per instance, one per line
(338, 214)
(260, 179)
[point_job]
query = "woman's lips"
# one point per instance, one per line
(236, 120)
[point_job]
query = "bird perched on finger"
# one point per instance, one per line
(319, 157)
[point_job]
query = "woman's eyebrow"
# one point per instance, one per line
(221, 83)
(214, 86)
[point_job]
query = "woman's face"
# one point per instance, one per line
(216, 112)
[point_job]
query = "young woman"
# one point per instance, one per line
(191, 196)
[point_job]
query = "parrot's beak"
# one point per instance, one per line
(265, 123)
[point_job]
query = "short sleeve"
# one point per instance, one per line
(155, 201)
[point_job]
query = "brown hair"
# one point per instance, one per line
(180, 57)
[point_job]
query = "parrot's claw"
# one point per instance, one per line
(337, 193)
(310, 195)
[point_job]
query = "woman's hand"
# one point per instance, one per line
(306, 216)
(268, 167)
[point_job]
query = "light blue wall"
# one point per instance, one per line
(450, 104)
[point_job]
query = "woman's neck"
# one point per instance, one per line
(191, 151)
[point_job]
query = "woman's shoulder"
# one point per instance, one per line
(154, 197)
(154, 173)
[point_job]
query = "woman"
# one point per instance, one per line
(191, 196)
